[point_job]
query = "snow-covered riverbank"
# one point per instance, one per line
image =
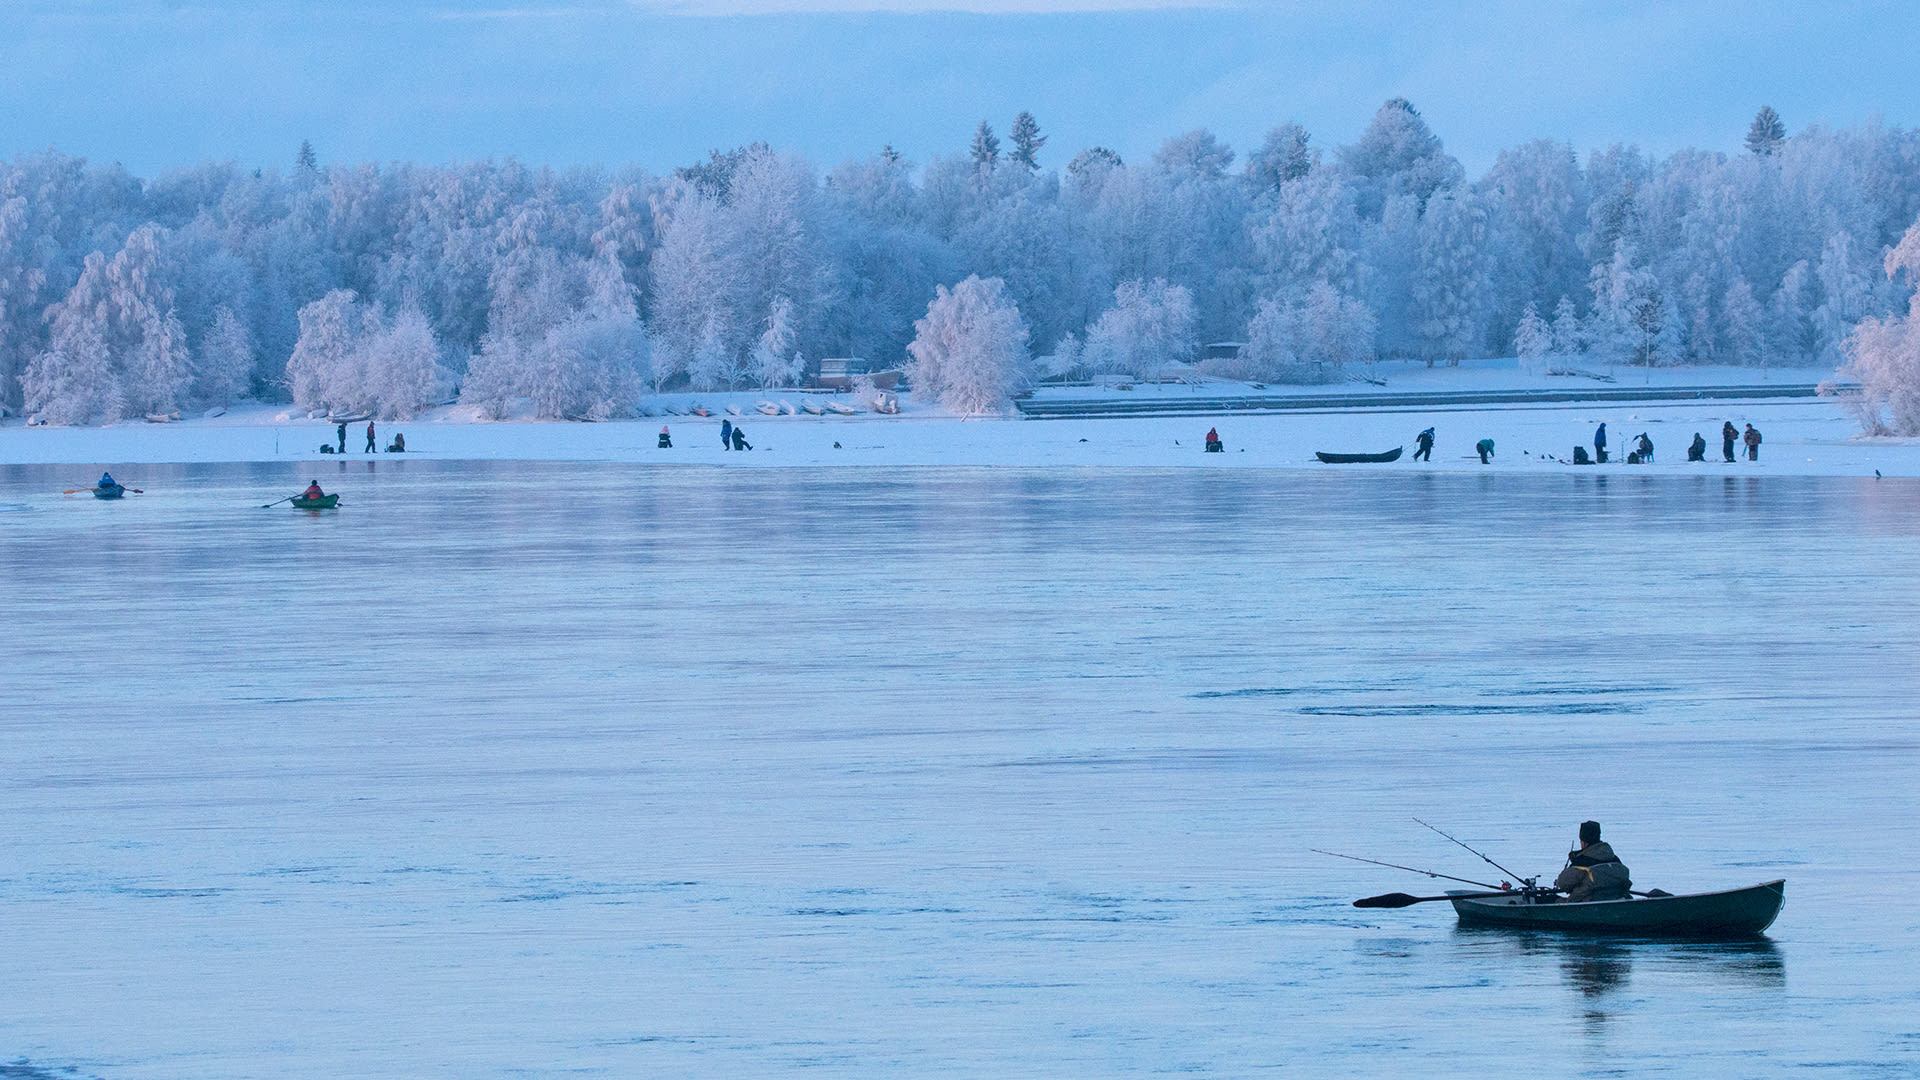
(1804, 436)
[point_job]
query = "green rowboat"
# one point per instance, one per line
(324, 502)
(1732, 913)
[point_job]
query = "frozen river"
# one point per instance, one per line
(606, 770)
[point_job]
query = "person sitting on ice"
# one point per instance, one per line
(740, 438)
(1644, 447)
(313, 491)
(1698, 451)
(666, 440)
(106, 480)
(1593, 871)
(1214, 445)
(398, 445)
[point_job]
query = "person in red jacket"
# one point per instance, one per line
(372, 447)
(1214, 445)
(313, 491)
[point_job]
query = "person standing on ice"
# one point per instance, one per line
(1484, 448)
(726, 434)
(343, 437)
(1753, 443)
(1728, 434)
(1600, 444)
(1593, 871)
(372, 447)
(1423, 451)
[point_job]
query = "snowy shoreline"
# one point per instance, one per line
(1804, 437)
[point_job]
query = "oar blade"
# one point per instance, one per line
(1390, 900)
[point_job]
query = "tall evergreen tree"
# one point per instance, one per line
(986, 146)
(1766, 133)
(1027, 140)
(306, 158)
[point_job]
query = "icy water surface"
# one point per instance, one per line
(509, 769)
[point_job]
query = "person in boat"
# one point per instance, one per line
(1600, 444)
(1424, 450)
(107, 481)
(1593, 871)
(1753, 443)
(666, 440)
(372, 447)
(726, 434)
(1698, 451)
(313, 491)
(1728, 436)
(1484, 448)
(398, 445)
(740, 438)
(1214, 445)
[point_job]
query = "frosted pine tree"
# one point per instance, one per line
(1766, 134)
(1149, 326)
(776, 360)
(1532, 340)
(1027, 142)
(223, 365)
(1745, 324)
(969, 351)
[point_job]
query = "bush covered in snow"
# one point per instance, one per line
(970, 350)
(1884, 354)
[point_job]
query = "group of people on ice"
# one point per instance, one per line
(397, 446)
(1642, 452)
(732, 437)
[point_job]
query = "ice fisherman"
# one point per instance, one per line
(1753, 443)
(740, 438)
(398, 445)
(726, 434)
(1644, 447)
(1484, 448)
(1600, 443)
(1214, 445)
(342, 432)
(372, 447)
(1698, 451)
(1728, 436)
(1593, 871)
(1424, 450)
(666, 440)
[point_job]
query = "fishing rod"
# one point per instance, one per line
(1410, 869)
(1527, 881)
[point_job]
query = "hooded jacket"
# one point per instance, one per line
(1594, 873)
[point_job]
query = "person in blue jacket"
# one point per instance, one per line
(106, 480)
(726, 434)
(1600, 443)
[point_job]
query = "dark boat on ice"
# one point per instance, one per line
(110, 491)
(1732, 913)
(1351, 459)
(324, 502)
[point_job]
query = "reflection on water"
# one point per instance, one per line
(1594, 965)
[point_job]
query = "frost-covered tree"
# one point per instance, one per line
(223, 365)
(1569, 330)
(1304, 337)
(74, 381)
(1532, 338)
(775, 360)
(321, 373)
(1745, 324)
(1766, 133)
(1884, 354)
(1027, 141)
(985, 150)
(1282, 157)
(970, 349)
(1449, 284)
(1149, 326)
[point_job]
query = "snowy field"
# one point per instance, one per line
(516, 769)
(1804, 436)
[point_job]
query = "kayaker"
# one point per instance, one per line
(1698, 451)
(726, 434)
(372, 447)
(1214, 445)
(1484, 448)
(106, 480)
(1593, 871)
(1424, 450)
(1753, 443)
(1728, 436)
(313, 491)
(1600, 444)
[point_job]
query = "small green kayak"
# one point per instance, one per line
(324, 502)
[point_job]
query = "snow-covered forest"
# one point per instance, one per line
(389, 288)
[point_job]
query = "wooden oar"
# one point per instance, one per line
(277, 502)
(123, 487)
(1400, 899)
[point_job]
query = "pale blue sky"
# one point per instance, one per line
(658, 83)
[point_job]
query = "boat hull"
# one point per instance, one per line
(1351, 459)
(114, 492)
(324, 502)
(1732, 913)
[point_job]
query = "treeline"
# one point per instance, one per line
(389, 288)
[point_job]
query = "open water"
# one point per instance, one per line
(606, 770)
